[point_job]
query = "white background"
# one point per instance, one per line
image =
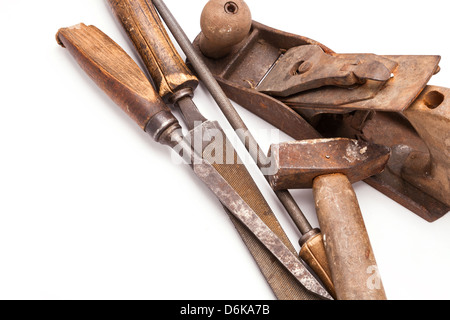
(91, 208)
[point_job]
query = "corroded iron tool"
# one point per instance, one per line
(118, 76)
(312, 250)
(329, 167)
(287, 79)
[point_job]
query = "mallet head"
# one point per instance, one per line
(298, 163)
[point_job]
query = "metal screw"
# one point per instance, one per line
(304, 67)
(231, 7)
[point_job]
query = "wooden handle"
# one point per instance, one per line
(313, 253)
(224, 24)
(350, 256)
(114, 72)
(144, 27)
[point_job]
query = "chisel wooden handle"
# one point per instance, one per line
(144, 27)
(350, 256)
(312, 251)
(113, 70)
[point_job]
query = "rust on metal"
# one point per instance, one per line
(329, 167)
(430, 116)
(241, 210)
(299, 163)
(409, 77)
(307, 67)
(366, 112)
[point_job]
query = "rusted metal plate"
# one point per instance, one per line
(226, 175)
(240, 71)
(308, 67)
(298, 163)
(396, 132)
(410, 77)
(266, 107)
(251, 59)
(430, 116)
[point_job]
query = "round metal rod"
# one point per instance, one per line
(229, 111)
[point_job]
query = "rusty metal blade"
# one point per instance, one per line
(229, 170)
(245, 214)
(410, 77)
(144, 31)
(308, 67)
(282, 282)
(256, 55)
(236, 123)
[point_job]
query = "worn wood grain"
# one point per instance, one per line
(144, 27)
(113, 70)
(350, 256)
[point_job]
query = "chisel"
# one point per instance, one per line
(124, 82)
(174, 80)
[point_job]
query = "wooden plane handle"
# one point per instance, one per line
(113, 70)
(141, 22)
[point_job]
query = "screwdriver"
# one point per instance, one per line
(176, 84)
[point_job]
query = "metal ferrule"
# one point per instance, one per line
(181, 93)
(309, 235)
(172, 137)
(160, 123)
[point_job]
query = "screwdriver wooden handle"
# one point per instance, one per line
(313, 253)
(350, 256)
(144, 27)
(113, 70)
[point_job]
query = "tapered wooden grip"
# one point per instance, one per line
(349, 253)
(144, 27)
(114, 72)
(313, 253)
(224, 24)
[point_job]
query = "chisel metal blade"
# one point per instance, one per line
(176, 84)
(231, 200)
(285, 279)
(115, 72)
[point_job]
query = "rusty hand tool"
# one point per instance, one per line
(309, 67)
(312, 250)
(382, 110)
(330, 166)
(430, 116)
(119, 76)
(176, 84)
